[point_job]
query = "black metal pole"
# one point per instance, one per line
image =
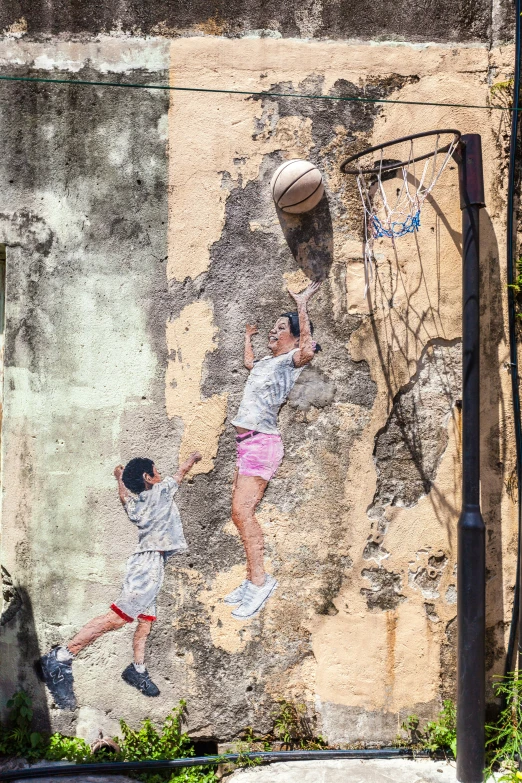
(513, 187)
(471, 549)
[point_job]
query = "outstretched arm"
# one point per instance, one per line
(249, 351)
(123, 492)
(305, 352)
(186, 466)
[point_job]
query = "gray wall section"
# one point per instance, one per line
(83, 211)
(409, 20)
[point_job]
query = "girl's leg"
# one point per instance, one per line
(140, 639)
(247, 494)
(94, 629)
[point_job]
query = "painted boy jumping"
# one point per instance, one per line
(149, 502)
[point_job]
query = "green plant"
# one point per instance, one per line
(170, 742)
(516, 287)
(142, 744)
(502, 92)
(414, 736)
(504, 737)
(250, 739)
(439, 735)
(244, 760)
(292, 727)
(17, 737)
(61, 748)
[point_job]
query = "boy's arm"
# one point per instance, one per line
(306, 350)
(186, 466)
(249, 358)
(123, 492)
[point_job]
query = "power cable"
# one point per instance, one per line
(263, 94)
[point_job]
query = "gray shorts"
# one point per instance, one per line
(142, 583)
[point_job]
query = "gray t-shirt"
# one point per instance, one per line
(270, 382)
(157, 518)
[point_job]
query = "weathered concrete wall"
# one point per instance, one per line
(141, 238)
(478, 20)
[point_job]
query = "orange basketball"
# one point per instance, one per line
(297, 186)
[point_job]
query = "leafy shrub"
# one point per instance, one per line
(143, 744)
(61, 748)
(439, 735)
(292, 727)
(147, 743)
(17, 737)
(504, 737)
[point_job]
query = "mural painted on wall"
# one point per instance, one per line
(358, 522)
(149, 502)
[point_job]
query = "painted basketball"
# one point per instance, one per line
(297, 186)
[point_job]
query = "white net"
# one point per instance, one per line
(396, 211)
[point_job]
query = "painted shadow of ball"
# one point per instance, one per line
(310, 239)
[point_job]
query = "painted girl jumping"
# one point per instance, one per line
(259, 445)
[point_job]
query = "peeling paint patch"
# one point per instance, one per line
(427, 579)
(16, 29)
(106, 54)
(189, 339)
(385, 591)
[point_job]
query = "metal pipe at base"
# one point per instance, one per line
(123, 767)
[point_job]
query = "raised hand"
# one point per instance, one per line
(251, 329)
(118, 472)
(195, 456)
(303, 297)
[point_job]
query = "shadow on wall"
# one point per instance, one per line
(19, 647)
(409, 326)
(310, 239)
(493, 444)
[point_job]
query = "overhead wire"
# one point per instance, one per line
(257, 93)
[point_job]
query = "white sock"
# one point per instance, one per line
(63, 654)
(140, 668)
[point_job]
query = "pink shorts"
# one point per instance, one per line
(259, 455)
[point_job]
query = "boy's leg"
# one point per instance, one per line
(148, 571)
(56, 665)
(139, 641)
(136, 673)
(94, 629)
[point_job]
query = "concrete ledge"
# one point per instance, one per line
(356, 771)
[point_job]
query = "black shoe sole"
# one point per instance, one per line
(38, 669)
(133, 685)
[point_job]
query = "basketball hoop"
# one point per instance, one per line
(418, 163)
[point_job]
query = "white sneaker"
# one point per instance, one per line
(255, 598)
(237, 595)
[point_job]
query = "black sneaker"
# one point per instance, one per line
(58, 677)
(140, 681)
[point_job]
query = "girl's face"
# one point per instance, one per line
(280, 338)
